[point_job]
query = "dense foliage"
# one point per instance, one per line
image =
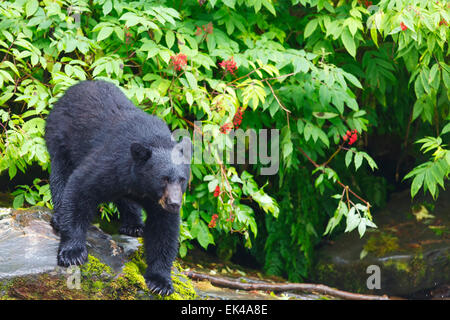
(331, 75)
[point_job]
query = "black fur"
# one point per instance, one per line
(104, 149)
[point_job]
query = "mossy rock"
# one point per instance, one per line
(114, 269)
(411, 255)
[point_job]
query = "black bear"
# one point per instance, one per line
(104, 149)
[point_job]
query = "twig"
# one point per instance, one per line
(332, 156)
(280, 287)
(276, 98)
(340, 183)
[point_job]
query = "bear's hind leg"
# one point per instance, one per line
(61, 168)
(130, 218)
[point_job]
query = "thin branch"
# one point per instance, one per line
(280, 287)
(332, 156)
(276, 98)
(340, 183)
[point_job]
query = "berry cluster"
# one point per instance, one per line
(178, 61)
(226, 128)
(206, 28)
(127, 35)
(237, 119)
(213, 221)
(366, 3)
(351, 136)
(230, 218)
(217, 191)
(228, 65)
(403, 26)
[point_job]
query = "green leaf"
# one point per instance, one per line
(269, 6)
(445, 129)
(353, 220)
(191, 80)
(300, 126)
(170, 38)
(189, 98)
(324, 95)
(358, 160)
(310, 27)
(430, 183)
(352, 79)
(104, 33)
(31, 7)
(107, 7)
(323, 137)
(202, 234)
(229, 3)
(374, 35)
(348, 157)
(361, 228)
(325, 115)
(12, 170)
(307, 131)
(18, 201)
(301, 65)
(370, 161)
(349, 42)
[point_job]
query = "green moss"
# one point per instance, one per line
(409, 273)
(97, 282)
(402, 266)
(184, 289)
(339, 276)
(42, 287)
(381, 243)
(131, 283)
(93, 268)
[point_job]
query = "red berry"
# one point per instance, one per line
(226, 128)
(213, 222)
(217, 191)
(178, 61)
(229, 65)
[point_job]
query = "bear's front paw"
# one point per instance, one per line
(72, 254)
(133, 231)
(158, 284)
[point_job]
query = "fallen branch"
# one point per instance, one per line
(277, 287)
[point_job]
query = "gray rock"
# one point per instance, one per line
(28, 244)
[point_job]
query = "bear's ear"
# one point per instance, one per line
(139, 152)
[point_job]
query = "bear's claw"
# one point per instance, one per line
(161, 292)
(159, 285)
(72, 255)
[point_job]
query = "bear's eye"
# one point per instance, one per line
(166, 180)
(182, 180)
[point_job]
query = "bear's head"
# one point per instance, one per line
(162, 173)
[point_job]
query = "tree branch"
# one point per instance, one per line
(340, 183)
(279, 287)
